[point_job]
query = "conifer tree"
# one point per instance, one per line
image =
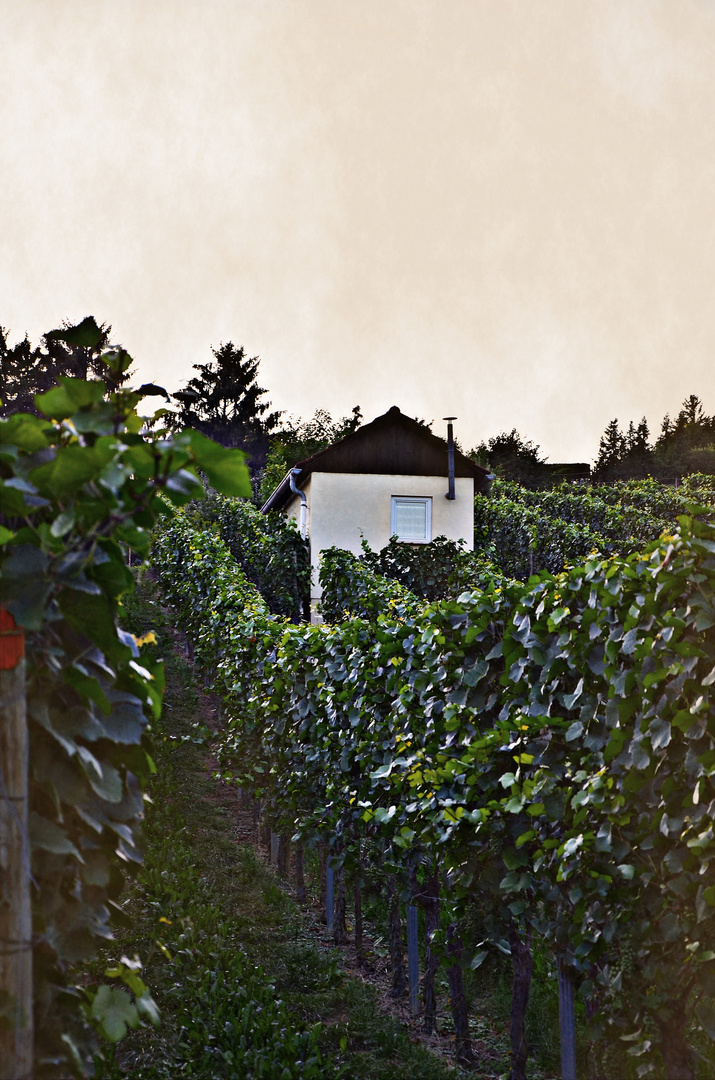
(26, 370)
(225, 402)
(611, 451)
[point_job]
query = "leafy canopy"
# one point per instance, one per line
(225, 402)
(71, 351)
(300, 439)
(80, 484)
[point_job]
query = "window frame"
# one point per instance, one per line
(427, 500)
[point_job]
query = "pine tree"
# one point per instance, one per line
(26, 371)
(688, 443)
(224, 401)
(637, 459)
(611, 451)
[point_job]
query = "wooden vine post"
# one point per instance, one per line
(16, 1040)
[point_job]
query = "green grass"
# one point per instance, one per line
(245, 985)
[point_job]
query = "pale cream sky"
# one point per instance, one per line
(498, 209)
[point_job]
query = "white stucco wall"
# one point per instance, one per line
(344, 507)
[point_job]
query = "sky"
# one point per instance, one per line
(502, 210)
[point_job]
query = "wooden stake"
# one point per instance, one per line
(357, 903)
(397, 952)
(16, 1043)
(329, 896)
(567, 1023)
(300, 893)
(413, 963)
(283, 855)
(429, 899)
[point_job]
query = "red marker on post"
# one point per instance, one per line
(12, 641)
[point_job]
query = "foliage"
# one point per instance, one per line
(526, 531)
(268, 548)
(351, 587)
(624, 455)
(400, 575)
(525, 540)
(551, 745)
(26, 371)
(300, 439)
(224, 402)
(510, 456)
(79, 485)
(234, 966)
(684, 445)
(434, 571)
(687, 444)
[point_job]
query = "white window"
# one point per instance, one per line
(411, 519)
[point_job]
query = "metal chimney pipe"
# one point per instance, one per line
(450, 455)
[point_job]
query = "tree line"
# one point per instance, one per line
(225, 401)
(685, 444)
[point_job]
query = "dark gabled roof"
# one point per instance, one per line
(392, 443)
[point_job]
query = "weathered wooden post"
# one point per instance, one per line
(300, 893)
(16, 1043)
(413, 963)
(329, 895)
(283, 854)
(567, 1023)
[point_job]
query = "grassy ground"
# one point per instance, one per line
(246, 982)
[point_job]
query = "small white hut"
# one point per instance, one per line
(392, 477)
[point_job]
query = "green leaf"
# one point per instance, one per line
(99, 419)
(705, 1013)
(85, 334)
(557, 616)
(152, 390)
(513, 859)
(73, 467)
(63, 523)
(113, 1009)
(147, 1007)
(382, 772)
(23, 588)
(24, 430)
(112, 573)
(94, 616)
(226, 470)
(47, 836)
(659, 732)
(104, 778)
(126, 722)
(88, 687)
(69, 397)
(118, 361)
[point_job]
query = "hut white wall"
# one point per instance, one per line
(345, 507)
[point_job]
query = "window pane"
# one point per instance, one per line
(411, 519)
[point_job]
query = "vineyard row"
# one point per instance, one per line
(545, 752)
